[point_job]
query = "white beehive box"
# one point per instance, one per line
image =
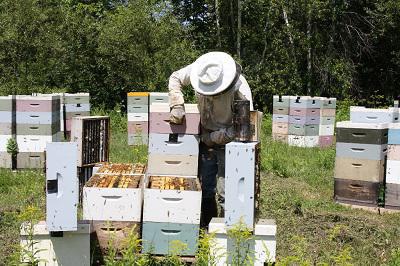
(120, 204)
(240, 182)
(73, 248)
(262, 246)
(62, 188)
(173, 205)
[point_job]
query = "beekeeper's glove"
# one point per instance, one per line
(177, 114)
(222, 136)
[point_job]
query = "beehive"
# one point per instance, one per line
(113, 197)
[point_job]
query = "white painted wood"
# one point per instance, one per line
(311, 141)
(349, 124)
(360, 114)
(62, 188)
(172, 164)
(113, 204)
(173, 144)
(262, 245)
(326, 130)
(240, 171)
(138, 117)
(393, 172)
(35, 143)
(294, 140)
(172, 206)
(3, 142)
(73, 248)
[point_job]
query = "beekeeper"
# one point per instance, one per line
(217, 81)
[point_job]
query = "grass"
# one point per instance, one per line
(297, 191)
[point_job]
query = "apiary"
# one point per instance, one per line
(303, 120)
(113, 197)
(177, 199)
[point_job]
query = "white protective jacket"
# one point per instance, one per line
(216, 112)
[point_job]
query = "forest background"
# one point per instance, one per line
(338, 48)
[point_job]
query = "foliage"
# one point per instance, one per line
(12, 146)
(346, 49)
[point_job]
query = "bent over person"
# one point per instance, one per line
(217, 81)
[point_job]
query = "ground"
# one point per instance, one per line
(297, 191)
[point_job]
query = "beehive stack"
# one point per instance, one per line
(360, 162)
(392, 195)
(112, 201)
(138, 118)
(37, 123)
(304, 120)
(242, 180)
(75, 104)
(280, 118)
(6, 132)
(173, 149)
(173, 185)
(177, 200)
(327, 122)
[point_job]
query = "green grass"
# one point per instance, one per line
(297, 191)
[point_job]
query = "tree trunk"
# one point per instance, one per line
(309, 65)
(239, 28)
(285, 17)
(217, 18)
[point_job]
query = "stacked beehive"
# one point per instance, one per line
(62, 239)
(280, 118)
(360, 162)
(73, 105)
(37, 123)
(6, 125)
(112, 201)
(304, 118)
(392, 195)
(242, 183)
(138, 118)
(173, 188)
(327, 121)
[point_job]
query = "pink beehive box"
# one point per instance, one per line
(160, 120)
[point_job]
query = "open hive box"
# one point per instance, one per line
(115, 194)
(122, 169)
(177, 199)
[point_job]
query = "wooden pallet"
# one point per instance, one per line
(374, 209)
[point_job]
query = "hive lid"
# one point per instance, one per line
(349, 124)
(375, 110)
(138, 94)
